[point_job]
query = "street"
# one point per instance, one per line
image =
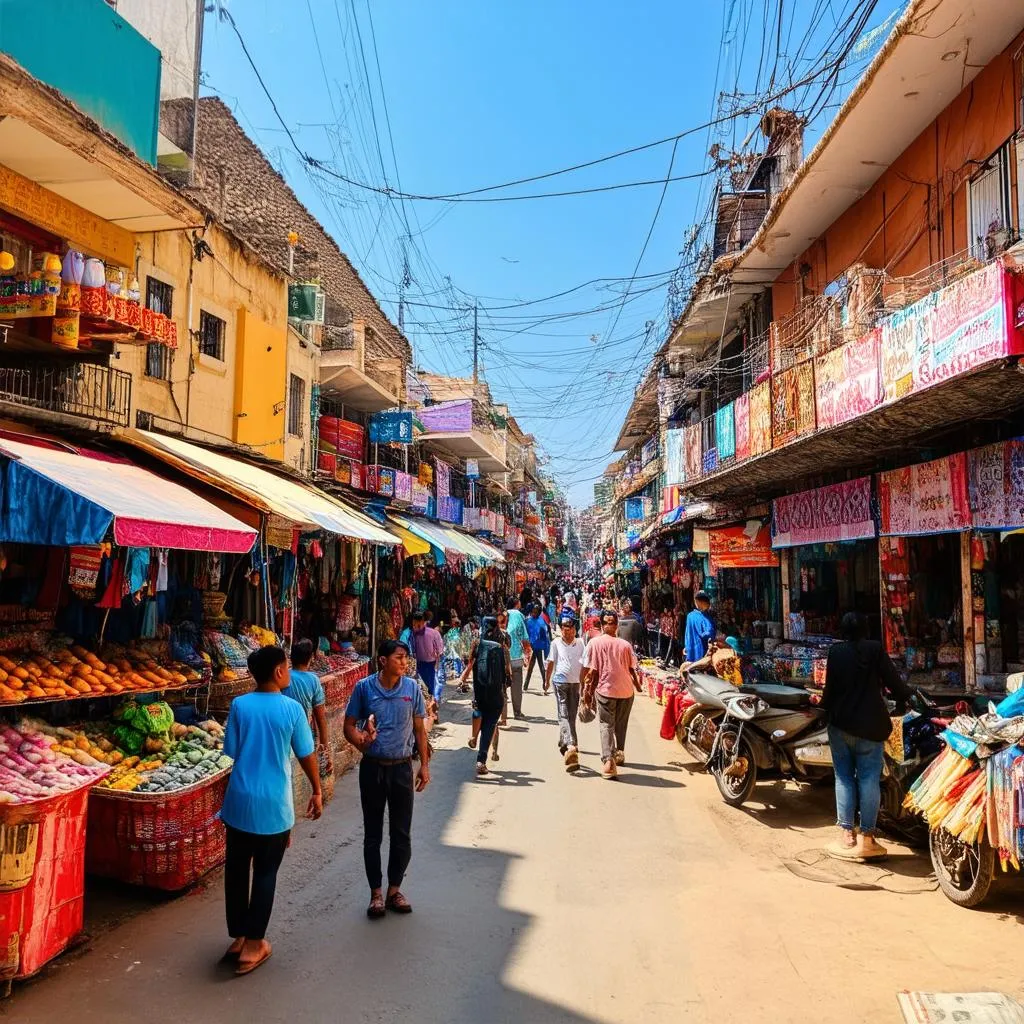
(541, 896)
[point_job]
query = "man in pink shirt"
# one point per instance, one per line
(428, 647)
(610, 665)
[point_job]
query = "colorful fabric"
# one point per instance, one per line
(725, 432)
(675, 456)
(760, 418)
(931, 497)
(996, 478)
(824, 515)
(741, 418)
(692, 452)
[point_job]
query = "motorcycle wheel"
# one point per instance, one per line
(964, 870)
(698, 734)
(736, 770)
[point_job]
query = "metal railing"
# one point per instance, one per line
(81, 389)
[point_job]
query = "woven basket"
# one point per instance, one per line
(213, 604)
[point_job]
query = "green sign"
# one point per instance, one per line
(302, 301)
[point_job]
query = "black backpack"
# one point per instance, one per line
(489, 676)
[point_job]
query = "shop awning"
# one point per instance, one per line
(413, 545)
(61, 497)
(447, 539)
(490, 551)
(300, 504)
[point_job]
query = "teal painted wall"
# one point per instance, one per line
(95, 58)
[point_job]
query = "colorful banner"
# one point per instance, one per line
(931, 497)
(450, 510)
(793, 411)
(742, 547)
(900, 340)
(670, 499)
(472, 469)
(675, 456)
(447, 417)
(391, 428)
(351, 440)
(725, 432)
(649, 451)
(403, 486)
(421, 496)
(443, 475)
(472, 518)
(846, 383)
(996, 482)
(742, 420)
(824, 515)
(634, 508)
(691, 446)
(760, 418)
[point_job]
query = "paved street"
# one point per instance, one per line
(542, 897)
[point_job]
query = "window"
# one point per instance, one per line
(988, 207)
(159, 296)
(296, 405)
(211, 335)
(158, 361)
(160, 299)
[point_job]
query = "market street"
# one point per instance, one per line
(545, 897)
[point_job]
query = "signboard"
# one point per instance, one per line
(742, 547)
(302, 302)
(760, 418)
(725, 432)
(472, 469)
(931, 497)
(447, 417)
(996, 485)
(899, 342)
(649, 451)
(824, 515)
(846, 381)
(450, 510)
(351, 440)
(391, 428)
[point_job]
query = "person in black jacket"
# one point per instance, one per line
(856, 676)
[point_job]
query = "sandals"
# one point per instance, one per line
(251, 965)
(377, 908)
(398, 903)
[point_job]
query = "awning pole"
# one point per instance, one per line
(373, 609)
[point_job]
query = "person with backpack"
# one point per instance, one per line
(491, 666)
(565, 665)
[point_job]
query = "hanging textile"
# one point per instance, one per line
(824, 515)
(931, 497)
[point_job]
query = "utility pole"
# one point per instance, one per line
(476, 345)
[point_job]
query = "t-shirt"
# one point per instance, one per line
(306, 688)
(428, 645)
(631, 630)
(567, 659)
(394, 711)
(517, 631)
(537, 629)
(611, 658)
(699, 630)
(262, 732)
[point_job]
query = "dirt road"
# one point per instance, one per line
(542, 897)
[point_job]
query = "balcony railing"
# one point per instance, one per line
(81, 389)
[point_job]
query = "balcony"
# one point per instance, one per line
(463, 427)
(81, 391)
(831, 401)
(368, 385)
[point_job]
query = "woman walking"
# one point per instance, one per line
(856, 675)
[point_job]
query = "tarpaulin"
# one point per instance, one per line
(63, 498)
(930, 497)
(824, 515)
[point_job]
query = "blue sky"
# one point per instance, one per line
(479, 93)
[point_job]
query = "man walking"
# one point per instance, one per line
(611, 666)
(385, 719)
(565, 664)
(540, 641)
(520, 637)
(700, 628)
(428, 647)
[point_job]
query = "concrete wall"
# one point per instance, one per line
(172, 27)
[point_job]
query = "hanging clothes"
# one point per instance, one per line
(161, 570)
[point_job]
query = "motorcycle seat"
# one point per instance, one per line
(778, 695)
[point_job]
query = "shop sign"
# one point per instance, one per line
(420, 497)
(351, 440)
(443, 474)
(447, 417)
(675, 457)
(531, 497)
(931, 497)
(742, 547)
(742, 421)
(692, 452)
(725, 432)
(450, 510)
(472, 469)
(996, 481)
(760, 429)
(792, 403)
(846, 381)
(701, 541)
(634, 508)
(824, 515)
(391, 428)
(649, 452)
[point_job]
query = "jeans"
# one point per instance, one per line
(613, 719)
(488, 727)
(567, 698)
(537, 658)
(250, 880)
(390, 786)
(517, 688)
(434, 680)
(858, 767)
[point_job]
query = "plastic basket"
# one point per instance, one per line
(161, 841)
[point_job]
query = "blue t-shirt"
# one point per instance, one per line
(537, 629)
(699, 631)
(518, 633)
(393, 710)
(262, 732)
(306, 688)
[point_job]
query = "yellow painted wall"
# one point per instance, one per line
(303, 361)
(260, 384)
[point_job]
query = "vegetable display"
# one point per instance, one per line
(31, 769)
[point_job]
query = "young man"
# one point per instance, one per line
(305, 687)
(428, 647)
(264, 728)
(540, 641)
(492, 673)
(385, 719)
(565, 664)
(700, 629)
(629, 628)
(611, 671)
(521, 650)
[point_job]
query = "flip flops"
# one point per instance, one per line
(250, 966)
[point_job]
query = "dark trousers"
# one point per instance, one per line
(250, 879)
(386, 786)
(613, 721)
(537, 658)
(488, 723)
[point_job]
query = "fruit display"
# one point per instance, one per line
(31, 768)
(71, 672)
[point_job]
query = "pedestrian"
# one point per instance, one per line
(700, 628)
(304, 686)
(565, 665)
(492, 675)
(428, 647)
(629, 628)
(611, 666)
(519, 652)
(453, 659)
(857, 673)
(385, 720)
(540, 642)
(264, 729)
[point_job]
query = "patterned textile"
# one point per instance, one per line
(824, 515)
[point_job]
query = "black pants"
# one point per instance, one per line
(386, 786)
(488, 723)
(537, 658)
(250, 878)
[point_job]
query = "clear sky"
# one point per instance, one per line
(472, 93)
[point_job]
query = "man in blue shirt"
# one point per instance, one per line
(386, 719)
(520, 651)
(700, 629)
(305, 687)
(264, 729)
(540, 641)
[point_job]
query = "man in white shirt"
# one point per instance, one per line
(565, 664)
